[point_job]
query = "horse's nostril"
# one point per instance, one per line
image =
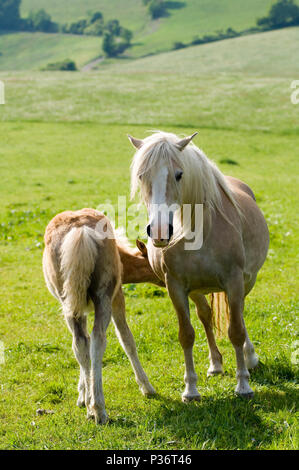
(148, 230)
(170, 231)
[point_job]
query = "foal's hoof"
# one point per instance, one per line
(149, 391)
(81, 402)
(188, 398)
(98, 417)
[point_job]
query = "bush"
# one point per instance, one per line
(77, 27)
(65, 65)
(179, 45)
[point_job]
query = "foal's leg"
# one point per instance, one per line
(77, 326)
(127, 341)
(103, 311)
(205, 315)
(186, 336)
(237, 334)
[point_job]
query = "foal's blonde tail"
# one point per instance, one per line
(78, 259)
(220, 312)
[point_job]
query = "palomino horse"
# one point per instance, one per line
(234, 246)
(84, 271)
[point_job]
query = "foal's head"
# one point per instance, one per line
(158, 169)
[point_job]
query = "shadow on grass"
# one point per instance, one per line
(220, 423)
(174, 5)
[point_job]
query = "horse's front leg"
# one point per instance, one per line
(179, 299)
(205, 315)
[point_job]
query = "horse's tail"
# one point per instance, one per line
(78, 258)
(220, 312)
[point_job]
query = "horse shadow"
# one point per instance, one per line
(220, 423)
(223, 421)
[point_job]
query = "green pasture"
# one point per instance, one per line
(64, 146)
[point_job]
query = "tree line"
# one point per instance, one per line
(116, 38)
(282, 14)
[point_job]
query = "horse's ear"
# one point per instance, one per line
(141, 247)
(184, 142)
(137, 143)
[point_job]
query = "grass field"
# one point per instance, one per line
(64, 146)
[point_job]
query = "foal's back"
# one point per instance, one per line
(74, 239)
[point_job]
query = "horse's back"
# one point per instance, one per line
(238, 185)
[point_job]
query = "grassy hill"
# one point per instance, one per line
(269, 53)
(242, 83)
(185, 20)
(23, 51)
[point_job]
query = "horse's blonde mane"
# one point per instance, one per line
(202, 180)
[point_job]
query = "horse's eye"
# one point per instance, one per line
(178, 175)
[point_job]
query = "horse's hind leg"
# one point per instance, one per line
(81, 402)
(237, 334)
(77, 326)
(126, 340)
(205, 315)
(103, 309)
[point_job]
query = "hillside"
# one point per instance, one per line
(25, 51)
(243, 84)
(185, 20)
(265, 54)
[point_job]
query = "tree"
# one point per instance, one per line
(156, 8)
(283, 13)
(10, 14)
(115, 45)
(113, 27)
(40, 20)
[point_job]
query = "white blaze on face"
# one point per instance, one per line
(158, 209)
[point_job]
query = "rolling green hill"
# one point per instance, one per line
(242, 83)
(186, 19)
(21, 51)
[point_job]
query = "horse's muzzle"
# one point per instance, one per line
(160, 239)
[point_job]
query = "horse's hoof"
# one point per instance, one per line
(247, 396)
(188, 398)
(213, 372)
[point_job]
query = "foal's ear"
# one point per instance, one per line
(141, 247)
(184, 142)
(137, 143)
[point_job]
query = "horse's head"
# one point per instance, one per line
(158, 170)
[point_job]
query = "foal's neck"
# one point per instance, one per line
(136, 267)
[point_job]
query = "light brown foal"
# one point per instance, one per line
(84, 271)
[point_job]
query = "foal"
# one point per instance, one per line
(84, 271)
